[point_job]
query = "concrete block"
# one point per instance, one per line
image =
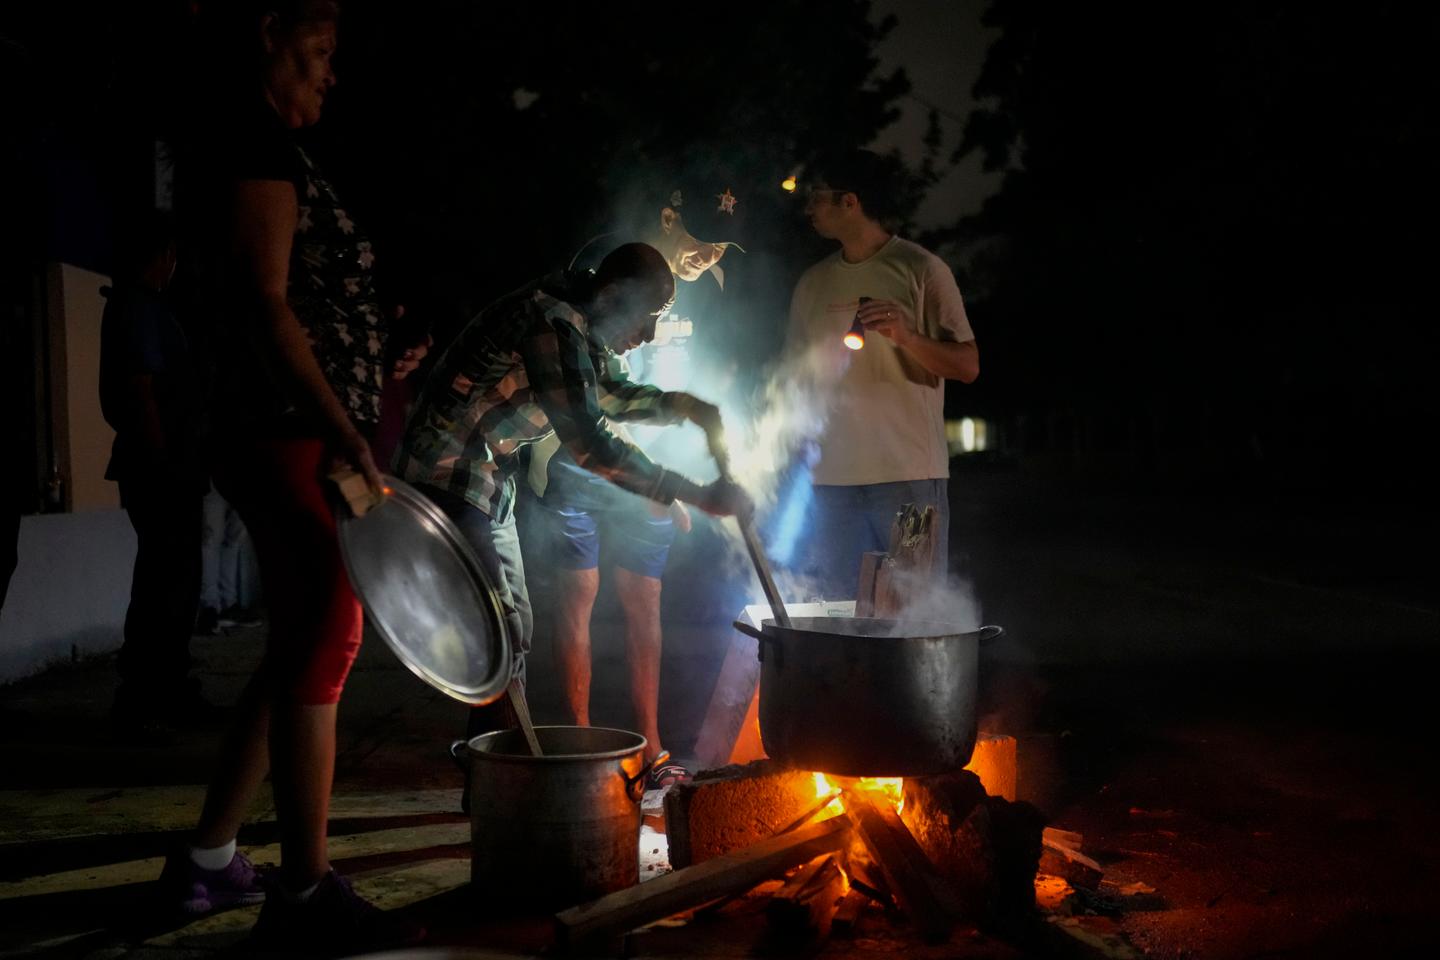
(732, 807)
(995, 763)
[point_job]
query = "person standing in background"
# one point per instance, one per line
(229, 579)
(883, 444)
(582, 515)
(150, 395)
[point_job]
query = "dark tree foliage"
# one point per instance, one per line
(1214, 224)
(499, 139)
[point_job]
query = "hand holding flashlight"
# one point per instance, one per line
(887, 318)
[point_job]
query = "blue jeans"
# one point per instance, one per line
(850, 521)
(229, 574)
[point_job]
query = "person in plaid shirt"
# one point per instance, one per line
(537, 361)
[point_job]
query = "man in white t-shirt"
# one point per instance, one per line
(883, 443)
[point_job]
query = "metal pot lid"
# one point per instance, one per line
(426, 594)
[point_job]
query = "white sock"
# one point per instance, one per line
(213, 858)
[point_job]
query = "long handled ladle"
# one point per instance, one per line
(752, 543)
(522, 715)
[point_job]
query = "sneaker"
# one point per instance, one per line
(195, 891)
(665, 774)
(334, 921)
(207, 622)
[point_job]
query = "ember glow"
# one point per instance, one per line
(892, 788)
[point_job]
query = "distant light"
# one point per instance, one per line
(967, 435)
(789, 184)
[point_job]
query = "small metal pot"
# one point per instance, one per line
(865, 697)
(558, 829)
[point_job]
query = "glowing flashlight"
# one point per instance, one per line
(788, 184)
(855, 336)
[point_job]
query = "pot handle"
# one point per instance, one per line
(457, 753)
(639, 779)
(991, 632)
(750, 631)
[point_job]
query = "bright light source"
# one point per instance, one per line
(966, 435)
(788, 184)
(855, 336)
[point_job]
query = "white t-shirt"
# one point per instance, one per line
(886, 418)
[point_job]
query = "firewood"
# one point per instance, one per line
(688, 887)
(847, 914)
(794, 825)
(903, 863)
(807, 901)
(865, 591)
(1059, 860)
(1066, 838)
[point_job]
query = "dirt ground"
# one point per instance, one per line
(1230, 699)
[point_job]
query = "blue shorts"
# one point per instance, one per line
(581, 520)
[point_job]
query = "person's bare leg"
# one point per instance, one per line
(640, 601)
(577, 590)
(244, 761)
(302, 751)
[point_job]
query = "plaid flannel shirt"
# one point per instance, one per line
(524, 367)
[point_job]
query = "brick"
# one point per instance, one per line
(994, 762)
(730, 808)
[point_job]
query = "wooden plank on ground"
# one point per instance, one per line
(1067, 838)
(1060, 860)
(691, 886)
(903, 864)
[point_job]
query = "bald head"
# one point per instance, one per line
(633, 289)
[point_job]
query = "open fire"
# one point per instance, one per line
(891, 788)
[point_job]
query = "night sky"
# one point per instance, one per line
(1179, 228)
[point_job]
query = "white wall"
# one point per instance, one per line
(72, 583)
(69, 591)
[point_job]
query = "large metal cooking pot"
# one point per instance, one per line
(865, 697)
(557, 829)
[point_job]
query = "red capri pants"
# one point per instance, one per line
(276, 486)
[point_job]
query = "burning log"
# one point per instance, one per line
(730, 808)
(902, 862)
(986, 847)
(691, 886)
(847, 914)
(807, 901)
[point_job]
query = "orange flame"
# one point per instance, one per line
(892, 788)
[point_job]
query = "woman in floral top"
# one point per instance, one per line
(300, 356)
